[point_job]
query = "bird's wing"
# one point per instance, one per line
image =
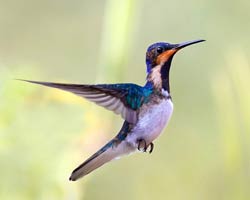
(123, 99)
(112, 150)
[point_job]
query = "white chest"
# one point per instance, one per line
(151, 123)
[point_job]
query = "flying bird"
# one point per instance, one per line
(146, 110)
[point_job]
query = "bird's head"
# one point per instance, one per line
(158, 59)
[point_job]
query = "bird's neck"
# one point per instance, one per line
(158, 77)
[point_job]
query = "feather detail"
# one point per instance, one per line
(112, 150)
(155, 77)
(123, 99)
(104, 155)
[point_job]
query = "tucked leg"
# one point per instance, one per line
(142, 145)
(151, 146)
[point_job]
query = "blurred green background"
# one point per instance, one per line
(45, 133)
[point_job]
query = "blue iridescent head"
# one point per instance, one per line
(153, 52)
(161, 52)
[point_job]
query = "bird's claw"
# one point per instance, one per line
(145, 146)
(140, 143)
(151, 145)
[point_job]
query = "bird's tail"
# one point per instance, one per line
(107, 153)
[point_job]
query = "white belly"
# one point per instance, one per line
(151, 123)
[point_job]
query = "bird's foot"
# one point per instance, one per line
(142, 146)
(151, 146)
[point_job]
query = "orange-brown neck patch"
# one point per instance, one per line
(162, 58)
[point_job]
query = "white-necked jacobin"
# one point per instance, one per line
(146, 109)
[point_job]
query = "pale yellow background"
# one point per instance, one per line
(204, 153)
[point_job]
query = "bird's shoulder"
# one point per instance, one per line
(133, 95)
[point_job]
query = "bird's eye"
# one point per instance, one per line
(159, 50)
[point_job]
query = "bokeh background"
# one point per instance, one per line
(45, 133)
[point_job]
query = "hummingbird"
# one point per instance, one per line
(146, 110)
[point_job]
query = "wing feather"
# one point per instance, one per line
(123, 99)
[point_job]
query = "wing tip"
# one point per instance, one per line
(20, 79)
(30, 81)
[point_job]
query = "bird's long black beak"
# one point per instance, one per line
(185, 44)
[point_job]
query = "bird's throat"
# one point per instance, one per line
(165, 74)
(159, 76)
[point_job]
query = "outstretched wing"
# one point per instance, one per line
(123, 99)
